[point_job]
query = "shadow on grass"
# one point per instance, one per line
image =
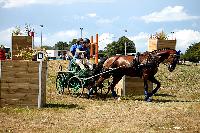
(173, 100)
(164, 95)
(64, 106)
(167, 100)
(98, 97)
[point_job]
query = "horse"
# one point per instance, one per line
(144, 66)
(169, 57)
(113, 66)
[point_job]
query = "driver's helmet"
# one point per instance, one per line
(86, 41)
(79, 40)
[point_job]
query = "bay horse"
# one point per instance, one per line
(144, 66)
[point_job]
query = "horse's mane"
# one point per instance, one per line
(156, 51)
(151, 55)
(159, 50)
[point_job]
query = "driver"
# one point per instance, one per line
(74, 46)
(82, 54)
(73, 51)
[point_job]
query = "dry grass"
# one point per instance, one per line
(175, 108)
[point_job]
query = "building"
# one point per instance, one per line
(56, 54)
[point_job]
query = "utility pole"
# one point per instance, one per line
(172, 35)
(125, 44)
(41, 34)
(81, 32)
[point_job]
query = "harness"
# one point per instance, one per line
(138, 58)
(150, 63)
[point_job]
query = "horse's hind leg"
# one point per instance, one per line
(146, 90)
(96, 84)
(93, 86)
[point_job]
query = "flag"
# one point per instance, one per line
(31, 33)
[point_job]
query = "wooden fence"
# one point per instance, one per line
(23, 83)
(155, 44)
(131, 86)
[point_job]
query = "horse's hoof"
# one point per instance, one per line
(146, 98)
(149, 99)
(59, 93)
(88, 96)
(118, 99)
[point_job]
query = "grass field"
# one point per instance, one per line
(175, 108)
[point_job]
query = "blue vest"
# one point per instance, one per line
(81, 48)
(73, 49)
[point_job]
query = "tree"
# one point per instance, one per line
(193, 52)
(102, 53)
(119, 47)
(72, 42)
(61, 46)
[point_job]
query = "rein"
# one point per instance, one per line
(104, 72)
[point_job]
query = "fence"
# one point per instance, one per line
(131, 86)
(155, 44)
(23, 83)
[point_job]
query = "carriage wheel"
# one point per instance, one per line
(75, 86)
(59, 84)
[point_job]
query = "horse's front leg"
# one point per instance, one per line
(146, 94)
(116, 79)
(153, 80)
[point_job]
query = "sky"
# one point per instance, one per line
(62, 20)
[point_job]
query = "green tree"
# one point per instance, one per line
(119, 47)
(193, 52)
(61, 46)
(72, 42)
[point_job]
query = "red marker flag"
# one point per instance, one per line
(31, 33)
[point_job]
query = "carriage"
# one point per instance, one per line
(75, 80)
(144, 66)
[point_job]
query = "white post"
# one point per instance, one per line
(47, 71)
(124, 85)
(40, 85)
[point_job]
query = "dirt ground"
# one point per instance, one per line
(175, 108)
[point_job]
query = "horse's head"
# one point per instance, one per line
(169, 57)
(173, 59)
